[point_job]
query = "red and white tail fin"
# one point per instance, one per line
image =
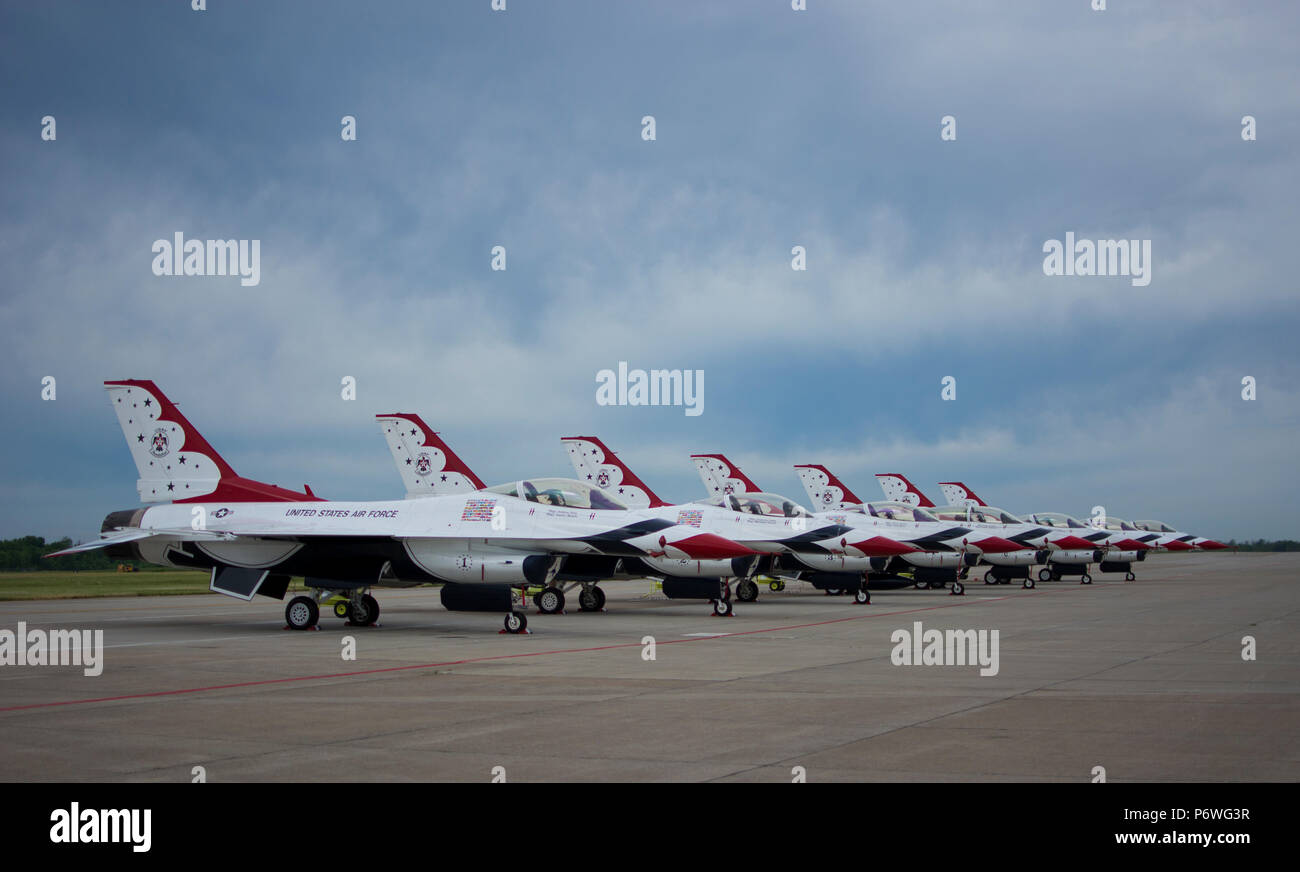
(825, 491)
(957, 494)
(427, 465)
(721, 476)
(897, 487)
(175, 462)
(598, 466)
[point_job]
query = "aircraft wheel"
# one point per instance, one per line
(1044, 574)
(746, 591)
(862, 597)
(516, 622)
(301, 613)
(366, 615)
(549, 601)
(1128, 576)
(923, 585)
(958, 588)
(1029, 584)
(341, 609)
(591, 599)
(721, 608)
(1085, 579)
(990, 577)
(776, 586)
(1056, 575)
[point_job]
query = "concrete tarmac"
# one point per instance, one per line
(1146, 679)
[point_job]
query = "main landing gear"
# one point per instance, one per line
(549, 600)
(746, 590)
(591, 598)
(359, 609)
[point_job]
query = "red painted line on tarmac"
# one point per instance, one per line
(494, 657)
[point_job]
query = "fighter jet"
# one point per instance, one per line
(483, 545)
(795, 540)
(429, 466)
(1033, 542)
(941, 549)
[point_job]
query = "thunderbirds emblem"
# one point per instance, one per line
(423, 465)
(603, 479)
(158, 447)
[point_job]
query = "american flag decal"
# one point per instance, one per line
(478, 510)
(690, 517)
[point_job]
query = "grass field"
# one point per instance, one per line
(107, 582)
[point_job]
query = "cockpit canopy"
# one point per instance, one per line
(566, 492)
(1057, 519)
(1154, 527)
(773, 505)
(1119, 524)
(890, 510)
(979, 514)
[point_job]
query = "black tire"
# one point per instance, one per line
(958, 588)
(1056, 575)
(1085, 579)
(366, 615)
(746, 590)
(516, 622)
(990, 577)
(862, 597)
(922, 585)
(372, 609)
(301, 613)
(721, 608)
(1045, 574)
(1128, 576)
(587, 599)
(1029, 584)
(549, 600)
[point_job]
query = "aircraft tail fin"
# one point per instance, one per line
(427, 464)
(897, 487)
(176, 464)
(825, 491)
(721, 476)
(957, 494)
(598, 466)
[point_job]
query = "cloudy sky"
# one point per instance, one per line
(774, 128)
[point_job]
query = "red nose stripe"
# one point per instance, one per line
(1131, 545)
(707, 546)
(1176, 545)
(881, 546)
(1211, 545)
(998, 545)
(1072, 543)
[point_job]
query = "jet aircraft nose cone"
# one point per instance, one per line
(708, 546)
(1131, 545)
(997, 545)
(1211, 545)
(881, 546)
(1176, 545)
(1072, 543)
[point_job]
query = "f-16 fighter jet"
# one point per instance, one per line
(941, 549)
(481, 544)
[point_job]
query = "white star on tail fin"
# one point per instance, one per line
(721, 476)
(957, 494)
(427, 465)
(897, 487)
(599, 467)
(826, 492)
